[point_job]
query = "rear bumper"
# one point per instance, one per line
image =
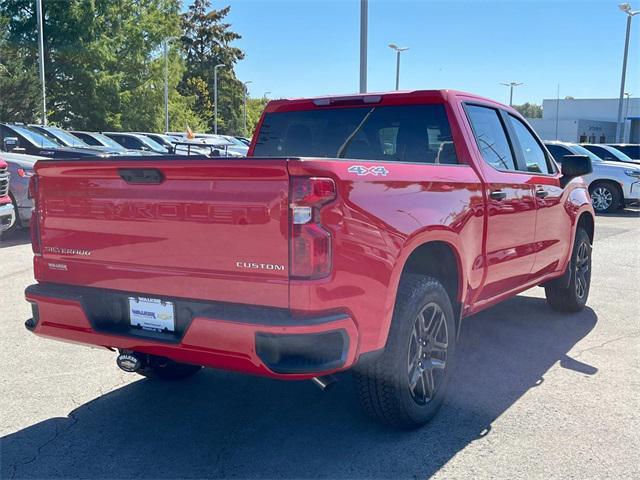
(7, 216)
(262, 341)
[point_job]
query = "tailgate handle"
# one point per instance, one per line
(147, 176)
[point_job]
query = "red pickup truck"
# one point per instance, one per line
(357, 235)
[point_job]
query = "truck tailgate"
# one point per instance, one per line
(201, 229)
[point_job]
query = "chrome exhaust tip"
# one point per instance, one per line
(324, 383)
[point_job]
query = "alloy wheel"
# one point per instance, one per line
(601, 198)
(427, 356)
(582, 270)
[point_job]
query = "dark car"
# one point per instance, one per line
(22, 139)
(629, 149)
(68, 140)
(136, 141)
(95, 139)
(608, 153)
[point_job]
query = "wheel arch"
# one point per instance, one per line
(612, 181)
(437, 257)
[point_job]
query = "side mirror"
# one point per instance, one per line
(9, 144)
(575, 166)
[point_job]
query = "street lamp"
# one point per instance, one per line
(626, 8)
(364, 28)
(398, 50)
(511, 85)
(166, 84)
(626, 113)
(246, 92)
(264, 97)
(41, 59)
(215, 97)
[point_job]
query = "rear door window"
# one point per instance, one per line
(535, 160)
(408, 133)
(491, 137)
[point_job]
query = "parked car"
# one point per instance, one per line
(245, 140)
(237, 146)
(19, 138)
(21, 171)
(607, 153)
(136, 141)
(218, 144)
(350, 257)
(66, 139)
(612, 185)
(631, 150)
(99, 140)
(7, 216)
(177, 145)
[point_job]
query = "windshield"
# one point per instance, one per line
(632, 151)
(34, 137)
(66, 138)
(152, 144)
(579, 150)
(409, 133)
(108, 142)
(620, 155)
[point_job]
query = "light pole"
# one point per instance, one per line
(246, 92)
(264, 97)
(215, 97)
(511, 85)
(626, 8)
(398, 50)
(364, 26)
(166, 88)
(41, 60)
(626, 112)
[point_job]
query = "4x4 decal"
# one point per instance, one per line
(361, 170)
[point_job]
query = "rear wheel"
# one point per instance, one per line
(165, 369)
(605, 197)
(572, 297)
(406, 385)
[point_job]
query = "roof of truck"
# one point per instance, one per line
(401, 97)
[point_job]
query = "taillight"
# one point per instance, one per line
(35, 225)
(310, 242)
(25, 173)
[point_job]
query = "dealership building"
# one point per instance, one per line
(590, 120)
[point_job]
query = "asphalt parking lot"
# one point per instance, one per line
(537, 394)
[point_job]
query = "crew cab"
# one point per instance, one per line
(7, 216)
(356, 235)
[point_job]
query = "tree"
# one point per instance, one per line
(19, 92)
(255, 106)
(104, 68)
(206, 43)
(529, 110)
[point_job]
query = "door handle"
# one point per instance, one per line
(541, 193)
(498, 195)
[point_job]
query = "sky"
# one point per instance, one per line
(311, 47)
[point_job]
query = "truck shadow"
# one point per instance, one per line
(224, 425)
(15, 237)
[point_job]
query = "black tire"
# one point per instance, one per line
(605, 197)
(572, 296)
(383, 385)
(165, 369)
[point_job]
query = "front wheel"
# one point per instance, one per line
(406, 385)
(605, 197)
(572, 297)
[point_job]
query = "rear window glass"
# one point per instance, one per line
(410, 133)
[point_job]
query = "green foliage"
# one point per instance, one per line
(206, 43)
(104, 64)
(255, 106)
(19, 92)
(529, 110)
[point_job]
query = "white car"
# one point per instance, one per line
(222, 143)
(612, 184)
